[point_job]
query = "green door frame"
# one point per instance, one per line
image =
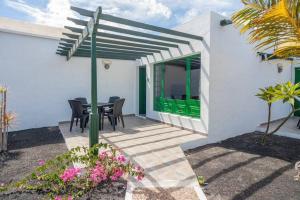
(142, 90)
(297, 80)
(188, 78)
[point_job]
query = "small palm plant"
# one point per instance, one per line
(5, 119)
(286, 92)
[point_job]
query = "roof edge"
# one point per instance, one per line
(29, 29)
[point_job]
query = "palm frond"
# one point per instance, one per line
(271, 25)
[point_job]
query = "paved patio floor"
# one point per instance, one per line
(154, 146)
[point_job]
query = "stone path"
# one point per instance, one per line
(155, 147)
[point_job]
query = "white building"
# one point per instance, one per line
(40, 82)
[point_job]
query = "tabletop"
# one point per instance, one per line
(99, 104)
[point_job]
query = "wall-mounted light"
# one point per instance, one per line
(225, 22)
(106, 64)
(279, 67)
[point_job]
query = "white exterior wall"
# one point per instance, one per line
(40, 82)
(236, 75)
(231, 74)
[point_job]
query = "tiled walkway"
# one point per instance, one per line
(154, 146)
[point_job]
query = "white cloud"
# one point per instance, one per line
(174, 11)
(58, 10)
(54, 15)
(197, 7)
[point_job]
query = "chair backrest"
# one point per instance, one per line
(113, 99)
(76, 106)
(117, 108)
(83, 100)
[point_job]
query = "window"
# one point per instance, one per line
(177, 86)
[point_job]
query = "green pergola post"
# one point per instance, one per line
(94, 129)
(188, 79)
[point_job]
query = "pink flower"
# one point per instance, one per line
(70, 174)
(58, 198)
(121, 159)
(140, 177)
(138, 168)
(70, 197)
(117, 174)
(103, 155)
(98, 174)
(41, 162)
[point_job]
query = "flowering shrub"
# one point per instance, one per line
(62, 181)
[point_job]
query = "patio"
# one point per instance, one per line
(155, 147)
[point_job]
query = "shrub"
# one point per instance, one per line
(61, 180)
(286, 92)
(5, 119)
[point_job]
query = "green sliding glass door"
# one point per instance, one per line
(177, 86)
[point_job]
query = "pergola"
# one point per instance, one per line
(114, 42)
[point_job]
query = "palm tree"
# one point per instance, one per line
(271, 24)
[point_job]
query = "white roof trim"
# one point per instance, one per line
(30, 29)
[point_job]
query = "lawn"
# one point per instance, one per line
(27, 147)
(241, 168)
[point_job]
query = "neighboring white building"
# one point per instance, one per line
(40, 82)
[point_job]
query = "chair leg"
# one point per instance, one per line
(114, 123)
(122, 121)
(298, 123)
(81, 121)
(102, 122)
(86, 121)
(71, 124)
(76, 121)
(110, 121)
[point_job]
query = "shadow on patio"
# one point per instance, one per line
(153, 145)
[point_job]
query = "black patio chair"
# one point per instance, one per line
(78, 112)
(115, 114)
(111, 99)
(83, 100)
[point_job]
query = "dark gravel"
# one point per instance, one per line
(27, 147)
(241, 168)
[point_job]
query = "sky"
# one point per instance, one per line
(165, 13)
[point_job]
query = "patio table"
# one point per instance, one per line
(100, 106)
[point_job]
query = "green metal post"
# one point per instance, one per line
(94, 129)
(188, 79)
